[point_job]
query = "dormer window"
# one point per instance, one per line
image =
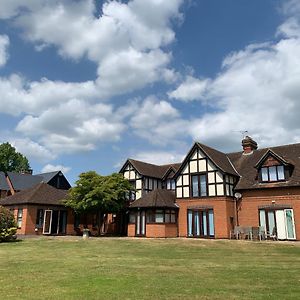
(273, 173)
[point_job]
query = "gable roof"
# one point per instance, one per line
(219, 158)
(268, 153)
(159, 198)
(150, 170)
(3, 183)
(48, 176)
(245, 165)
(41, 193)
(22, 182)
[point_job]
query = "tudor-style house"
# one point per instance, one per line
(211, 192)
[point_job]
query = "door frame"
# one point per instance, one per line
(139, 214)
(50, 222)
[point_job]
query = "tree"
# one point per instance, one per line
(11, 160)
(97, 193)
(8, 227)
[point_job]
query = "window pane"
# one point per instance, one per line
(272, 173)
(203, 185)
(195, 186)
(173, 217)
(159, 216)
(264, 174)
(167, 218)
(132, 217)
(168, 184)
(190, 223)
(173, 184)
(211, 223)
(280, 171)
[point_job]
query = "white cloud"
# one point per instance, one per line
(32, 150)
(160, 157)
(126, 41)
(191, 89)
(51, 168)
(258, 90)
(4, 43)
(73, 126)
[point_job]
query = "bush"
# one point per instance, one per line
(8, 226)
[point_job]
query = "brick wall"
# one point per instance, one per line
(252, 200)
(156, 230)
(223, 208)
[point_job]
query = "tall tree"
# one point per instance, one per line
(97, 193)
(11, 160)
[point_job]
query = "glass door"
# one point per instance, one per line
(140, 225)
(47, 222)
(200, 223)
(290, 224)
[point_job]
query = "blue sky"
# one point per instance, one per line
(85, 84)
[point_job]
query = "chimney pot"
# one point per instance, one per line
(249, 145)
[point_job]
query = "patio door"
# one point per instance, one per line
(278, 221)
(55, 221)
(47, 221)
(201, 223)
(140, 224)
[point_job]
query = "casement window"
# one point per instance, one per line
(199, 185)
(19, 218)
(39, 218)
(171, 184)
(130, 196)
(161, 216)
(274, 173)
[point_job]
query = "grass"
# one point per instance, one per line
(108, 268)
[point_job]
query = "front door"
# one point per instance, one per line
(140, 223)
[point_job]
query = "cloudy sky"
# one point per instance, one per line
(85, 84)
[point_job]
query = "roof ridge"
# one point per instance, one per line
(266, 148)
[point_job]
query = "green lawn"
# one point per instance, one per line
(108, 268)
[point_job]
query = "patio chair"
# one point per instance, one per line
(273, 235)
(255, 234)
(247, 232)
(262, 233)
(235, 233)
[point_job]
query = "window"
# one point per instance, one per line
(132, 217)
(131, 194)
(161, 216)
(199, 185)
(39, 218)
(19, 217)
(274, 173)
(170, 184)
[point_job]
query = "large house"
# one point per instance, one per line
(211, 192)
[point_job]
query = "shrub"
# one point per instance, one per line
(8, 227)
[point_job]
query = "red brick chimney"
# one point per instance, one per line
(249, 145)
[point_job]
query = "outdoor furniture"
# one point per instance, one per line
(272, 235)
(262, 233)
(235, 233)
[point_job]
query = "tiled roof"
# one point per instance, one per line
(219, 158)
(22, 182)
(3, 183)
(156, 198)
(42, 193)
(245, 165)
(151, 170)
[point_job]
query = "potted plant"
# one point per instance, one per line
(85, 233)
